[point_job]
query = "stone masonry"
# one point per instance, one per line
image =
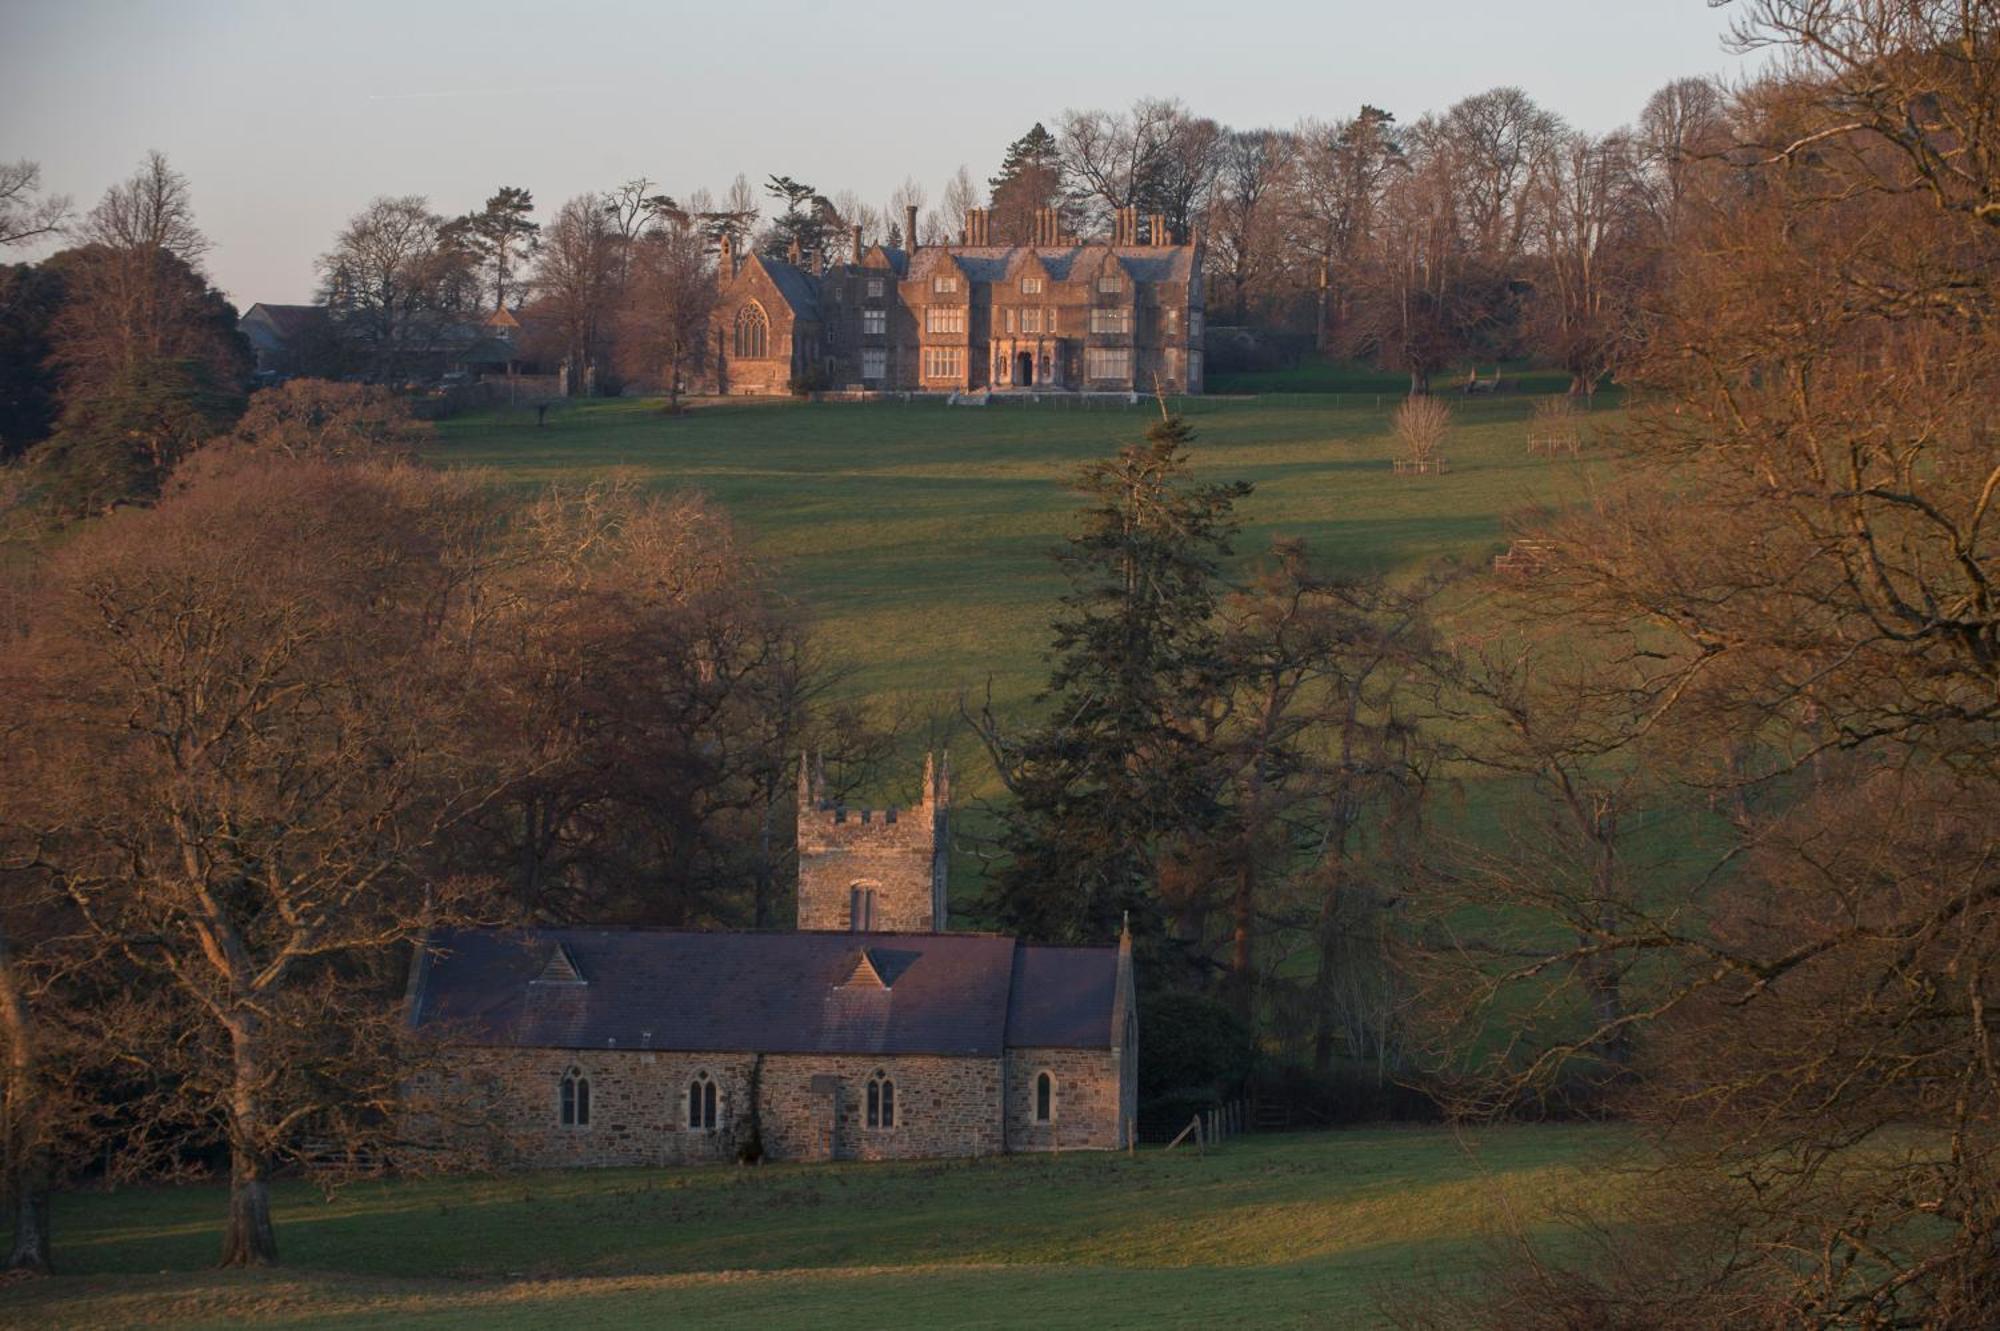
(874, 869)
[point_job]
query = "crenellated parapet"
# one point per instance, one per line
(873, 870)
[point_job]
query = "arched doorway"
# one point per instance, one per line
(1024, 369)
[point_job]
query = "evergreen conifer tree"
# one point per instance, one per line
(1030, 177)
(1120, 779)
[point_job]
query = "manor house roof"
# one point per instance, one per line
(993, 263)
(969, 995)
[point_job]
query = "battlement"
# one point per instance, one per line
(873, 869)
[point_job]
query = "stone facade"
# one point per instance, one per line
(1085, 1112)
(873, 869)
(810, 1107)
(767, 333)
(1120, 315)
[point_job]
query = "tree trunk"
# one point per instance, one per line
(29, 1188)
(27, 1168)
(249, 1239)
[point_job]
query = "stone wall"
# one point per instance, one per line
(897, 854)
(1088, 1112)
(944, 1107)
(639, 1107)
(772, 374)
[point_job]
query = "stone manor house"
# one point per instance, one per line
(869, 1032)
(1054, 315)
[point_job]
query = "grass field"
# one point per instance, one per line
(919, 535)
(1269, 1232)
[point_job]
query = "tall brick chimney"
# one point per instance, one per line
(857, 247)
(910, 227)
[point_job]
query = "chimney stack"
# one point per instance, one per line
(857, 247)
(910, 227)
(1159, 224)
(792, 254)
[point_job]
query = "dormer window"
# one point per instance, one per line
(875, 286)
(1031, 286)
(944, 285)
(1110, 282)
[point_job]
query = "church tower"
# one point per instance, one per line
(874, 870)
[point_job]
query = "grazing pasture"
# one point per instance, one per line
(918, 535)
(1268, 1231)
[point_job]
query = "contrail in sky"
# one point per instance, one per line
(478, 92)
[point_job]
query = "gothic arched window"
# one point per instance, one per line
(701, 1103)
(881, 1100)
(573, 1100)
(753, 333)
(1045, 1097)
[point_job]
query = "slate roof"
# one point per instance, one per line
(798, 287)
(968, 995)
(289, 320)
(1062, 997)
(995, 263)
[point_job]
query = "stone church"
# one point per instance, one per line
(870, 1032)
(1121, 315)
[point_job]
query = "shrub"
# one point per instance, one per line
(1191, 1046)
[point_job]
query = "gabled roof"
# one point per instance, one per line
(884, 256)
(287, 320)
(488, 351)
(1062, 997)
(998, 263)
(969, 995)
(722, 992)
(798, 288)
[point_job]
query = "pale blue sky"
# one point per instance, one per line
(289, 116)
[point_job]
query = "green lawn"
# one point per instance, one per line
(1268, 1231)
(919, 534)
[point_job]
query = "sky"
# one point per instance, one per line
(288, 117)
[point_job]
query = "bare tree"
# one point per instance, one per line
(1247, 233)
(1795, 583)
(663, 327)
(1586, 307)
(1332, 201)
(1682, 124)
(25, 214)
(910, 195)
(134, 289)
(1110, 159)
(961, 196)
(585, 266)
(1421, 424)
(395, 281)
(244, 710)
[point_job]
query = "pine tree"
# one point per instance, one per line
(501, 235)
(1030, 178)
(1120, 781)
